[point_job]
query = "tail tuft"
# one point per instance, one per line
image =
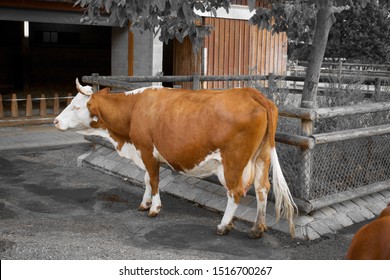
(285, 206)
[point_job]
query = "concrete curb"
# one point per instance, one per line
(213, 196)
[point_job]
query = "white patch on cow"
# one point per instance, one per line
(209, 166)
(247, 175)
(221, 175)
(141, 90)
(129, 151)
(156, 204)
(261, 206)
(159, 157)
(75, 116)
(147, 198)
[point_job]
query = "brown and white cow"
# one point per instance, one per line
(372, 241)
(229, 133)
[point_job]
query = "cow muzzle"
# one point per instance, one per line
(58, 124)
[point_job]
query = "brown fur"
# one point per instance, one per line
(372, 241)
(185, 126)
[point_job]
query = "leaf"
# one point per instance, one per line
(199, 6)
(122, 16)
(174, 4)
(160, 4)
(187, 11)
(179, 37)
(364, 3)
(107, 5)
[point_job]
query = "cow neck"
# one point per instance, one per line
(114, 112)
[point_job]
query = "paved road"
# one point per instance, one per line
(52, 209)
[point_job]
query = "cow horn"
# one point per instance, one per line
(81, 89)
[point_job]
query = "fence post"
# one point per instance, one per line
(271, 85)
(377, 93)
(69, 99)
(29, 109)
(42, 106)
(340, 73)
(195, 82)
(56, 104)
(95, 85)
(14, 106)
(1, 107)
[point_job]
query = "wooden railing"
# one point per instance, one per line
(12, 115)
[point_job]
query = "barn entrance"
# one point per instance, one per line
(39, 56)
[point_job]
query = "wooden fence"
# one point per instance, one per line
(306, 145)
(12, 114)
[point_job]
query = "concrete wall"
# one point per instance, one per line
(148, 54)
(119, 51)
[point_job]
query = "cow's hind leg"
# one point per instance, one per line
(152, 194)
(262, 187)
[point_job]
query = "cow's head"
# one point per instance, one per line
(76, 116)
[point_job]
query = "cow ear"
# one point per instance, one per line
(94, 113)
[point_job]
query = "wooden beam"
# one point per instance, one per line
(29, 106)
(56, 104)
(323, 113)
(14, 106)
(297, 112)
(42, 106)
(351, 134)
(303, 142)
(1, 107)
(328, 200)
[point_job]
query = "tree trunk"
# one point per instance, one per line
(325, 20)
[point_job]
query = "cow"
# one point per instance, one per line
(372, 241)
(228, 133)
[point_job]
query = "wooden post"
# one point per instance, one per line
(340, 73)
(69, 99)
(14, 106)
(56, 104)
(29, 108)
(1, 107)
(95, 85)
(195, 82)
(377, 93)
(42, 106)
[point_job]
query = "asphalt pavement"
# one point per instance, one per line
(53, 208)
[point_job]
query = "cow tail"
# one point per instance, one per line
(285, 206)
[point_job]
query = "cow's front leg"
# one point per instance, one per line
(147, 198)
(226, 224)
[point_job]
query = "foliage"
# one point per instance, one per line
(358, 35)
(361, 35)
(178, 18)
(173, 18)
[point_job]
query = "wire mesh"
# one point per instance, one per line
(347, 165)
